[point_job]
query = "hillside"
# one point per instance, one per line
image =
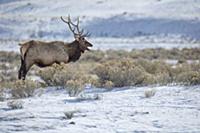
(161, 21)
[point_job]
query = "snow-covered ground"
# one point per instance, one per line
(125, 110)
(117, 43)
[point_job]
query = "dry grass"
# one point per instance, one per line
(120, 73)
(106, 69)
(74, 87)
(21, 89)
(9, 57)
(72, 76)
(149, 54)
(63, 75)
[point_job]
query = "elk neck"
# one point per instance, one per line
(73, 50)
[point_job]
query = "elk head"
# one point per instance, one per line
(79, 36)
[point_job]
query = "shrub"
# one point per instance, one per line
(8, 72)
(93, 56)
(69, 114)
(74, 87)
(159, 72)
(51, 75)
(149, 79)
(8, 75)
(15, 104)
(113, 68)
(108, 84)
(66, 75)
(22, 89)
(149, 93)
(9, 56)
(120, 73)
(2, 97)
(190, 78)
(57, 75)
(154, 67)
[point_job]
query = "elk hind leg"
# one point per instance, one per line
(26, 66)
(20, 72)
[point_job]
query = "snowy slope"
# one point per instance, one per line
(126, 110)
(152, 23)
(179, 9)
(30, 19)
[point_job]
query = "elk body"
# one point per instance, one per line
(45, 54)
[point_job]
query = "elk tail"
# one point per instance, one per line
(24, 49)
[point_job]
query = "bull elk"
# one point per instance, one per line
(45, 54)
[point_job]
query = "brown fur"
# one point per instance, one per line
(45, 54)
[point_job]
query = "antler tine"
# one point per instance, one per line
(77, 26)
(82, 31)
(87, 34)
(68, 22)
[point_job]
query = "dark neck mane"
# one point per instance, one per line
(73, 51)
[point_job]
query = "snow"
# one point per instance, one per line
(104, 43)
(157, 21)
(172, 109)
(103, 8)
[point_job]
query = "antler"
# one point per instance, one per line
(87, 34)
(69, 22)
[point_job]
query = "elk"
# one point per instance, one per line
(45, 54)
